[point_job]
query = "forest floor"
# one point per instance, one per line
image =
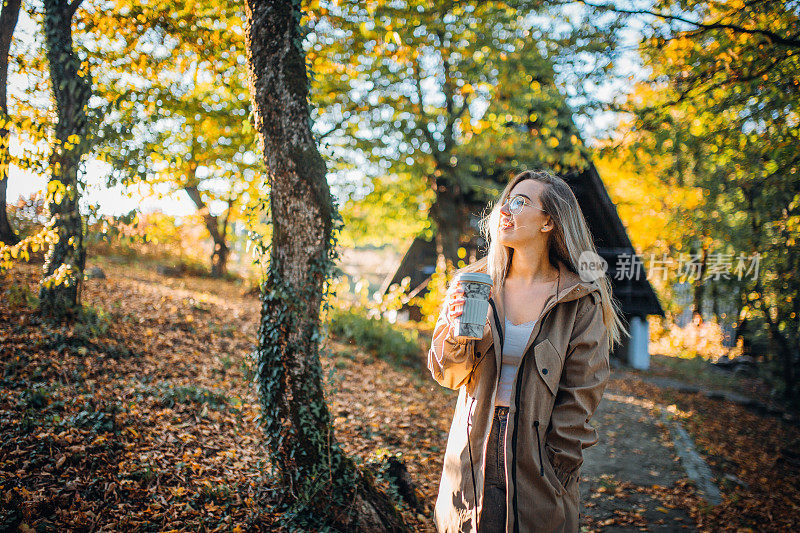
(143, 418)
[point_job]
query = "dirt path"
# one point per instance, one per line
(625, 472)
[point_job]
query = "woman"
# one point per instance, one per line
(529, 387)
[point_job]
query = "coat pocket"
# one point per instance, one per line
(548, 364)
(552, 477)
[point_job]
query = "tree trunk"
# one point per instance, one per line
(321, 483)
(63, 269)
(450, 215)
(219, 260)
(8, 21)
(699, 286)
(219, 257)
(715, 301)
(787, 351)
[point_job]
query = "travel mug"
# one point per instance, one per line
(477, 289)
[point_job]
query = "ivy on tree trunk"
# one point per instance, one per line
(324, 485)
(63, 269)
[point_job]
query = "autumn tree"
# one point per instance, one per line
(162, 119)
(204, 150)
(724, 103)
(71, 86)
(177, 112)
(9, 14)
(317, 476)
(29, 122)
(407, 88)
(666, 214)
(528, 121)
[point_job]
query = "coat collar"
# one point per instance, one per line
(570, 287)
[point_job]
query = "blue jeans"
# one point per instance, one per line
(493, 511)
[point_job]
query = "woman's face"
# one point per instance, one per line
(524, 228)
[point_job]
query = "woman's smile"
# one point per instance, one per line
(506, 223)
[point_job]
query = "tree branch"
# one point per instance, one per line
(72, 7)
(211, 221)
(423, 118)
(333, 129)
(686, 93)
(231, 202)
(451, 121)
(792, 42)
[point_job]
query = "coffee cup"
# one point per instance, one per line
(477, 290)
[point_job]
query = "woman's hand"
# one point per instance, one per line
(455, 306)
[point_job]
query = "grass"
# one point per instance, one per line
(187, 394)
(397, 346)
(19, 295)
(696, 370)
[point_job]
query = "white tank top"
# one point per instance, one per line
(516, 337)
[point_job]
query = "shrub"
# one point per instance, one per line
(696, 339)
(92, 322)
(186, 394)
(430, 305)
(375, 335)
(18, 295)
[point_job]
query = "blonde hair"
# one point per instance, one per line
(569, 238)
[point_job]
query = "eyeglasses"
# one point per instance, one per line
(515, 204)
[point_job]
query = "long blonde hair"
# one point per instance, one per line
(569, 238)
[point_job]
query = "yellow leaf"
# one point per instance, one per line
(178, 491)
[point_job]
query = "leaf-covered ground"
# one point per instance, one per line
(754, 460)
(143, 417)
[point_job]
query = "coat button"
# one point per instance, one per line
(544, 371)
(477, 354)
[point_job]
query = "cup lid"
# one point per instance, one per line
(474, 277)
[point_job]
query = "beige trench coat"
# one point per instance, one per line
(559, 384)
